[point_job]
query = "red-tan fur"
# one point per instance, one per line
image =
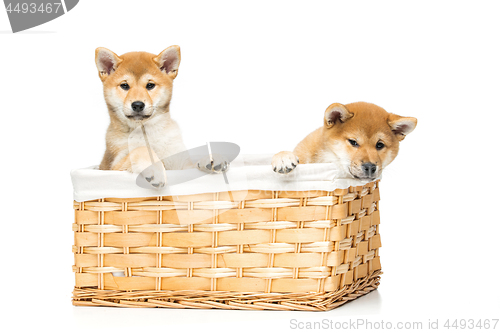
(365, 123)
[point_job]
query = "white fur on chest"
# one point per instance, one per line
(162, 134)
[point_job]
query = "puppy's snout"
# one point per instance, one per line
(369, 169)
(138, 106)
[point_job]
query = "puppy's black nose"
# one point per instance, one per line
(138, 106)
(369, 169)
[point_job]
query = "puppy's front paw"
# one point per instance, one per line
(284, 162)
(217, 164)
(155, 175)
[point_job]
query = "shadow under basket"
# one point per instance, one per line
(255, 249)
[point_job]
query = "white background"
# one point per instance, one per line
(261, 74)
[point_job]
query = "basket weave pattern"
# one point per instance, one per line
(281, 250)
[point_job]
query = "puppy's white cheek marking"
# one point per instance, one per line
(113, 99)
(162, 97)
(345, 158)
(387, 160)
(336, 154)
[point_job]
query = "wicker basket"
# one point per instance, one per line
(279, 250)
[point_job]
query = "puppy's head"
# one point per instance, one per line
(364, 137)
(137, 85)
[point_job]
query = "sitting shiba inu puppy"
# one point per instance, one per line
(137, 91)
(361, 138)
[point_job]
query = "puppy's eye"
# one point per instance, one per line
(150, 86)
(125, 86)
(379, 145)
(353, 143)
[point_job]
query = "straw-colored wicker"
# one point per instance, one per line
(308, 250)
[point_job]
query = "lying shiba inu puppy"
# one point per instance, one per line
(137, 90)
(361, 138)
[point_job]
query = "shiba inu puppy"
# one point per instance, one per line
(361, 138)
(137, 90)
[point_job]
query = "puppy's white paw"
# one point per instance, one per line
(155, 175)
(284, 162)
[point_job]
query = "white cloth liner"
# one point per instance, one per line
(247, 172)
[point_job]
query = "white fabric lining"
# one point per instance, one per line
(247, 172)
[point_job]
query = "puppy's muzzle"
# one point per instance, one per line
(369, 170)
(138, 108)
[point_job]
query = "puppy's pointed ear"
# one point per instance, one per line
(336, 113)
(106, 62)
(168, 60)
(401, 126)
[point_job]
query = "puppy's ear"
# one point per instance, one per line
(106, 62)
(336, 113)
(169, 59)
(401, 126)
